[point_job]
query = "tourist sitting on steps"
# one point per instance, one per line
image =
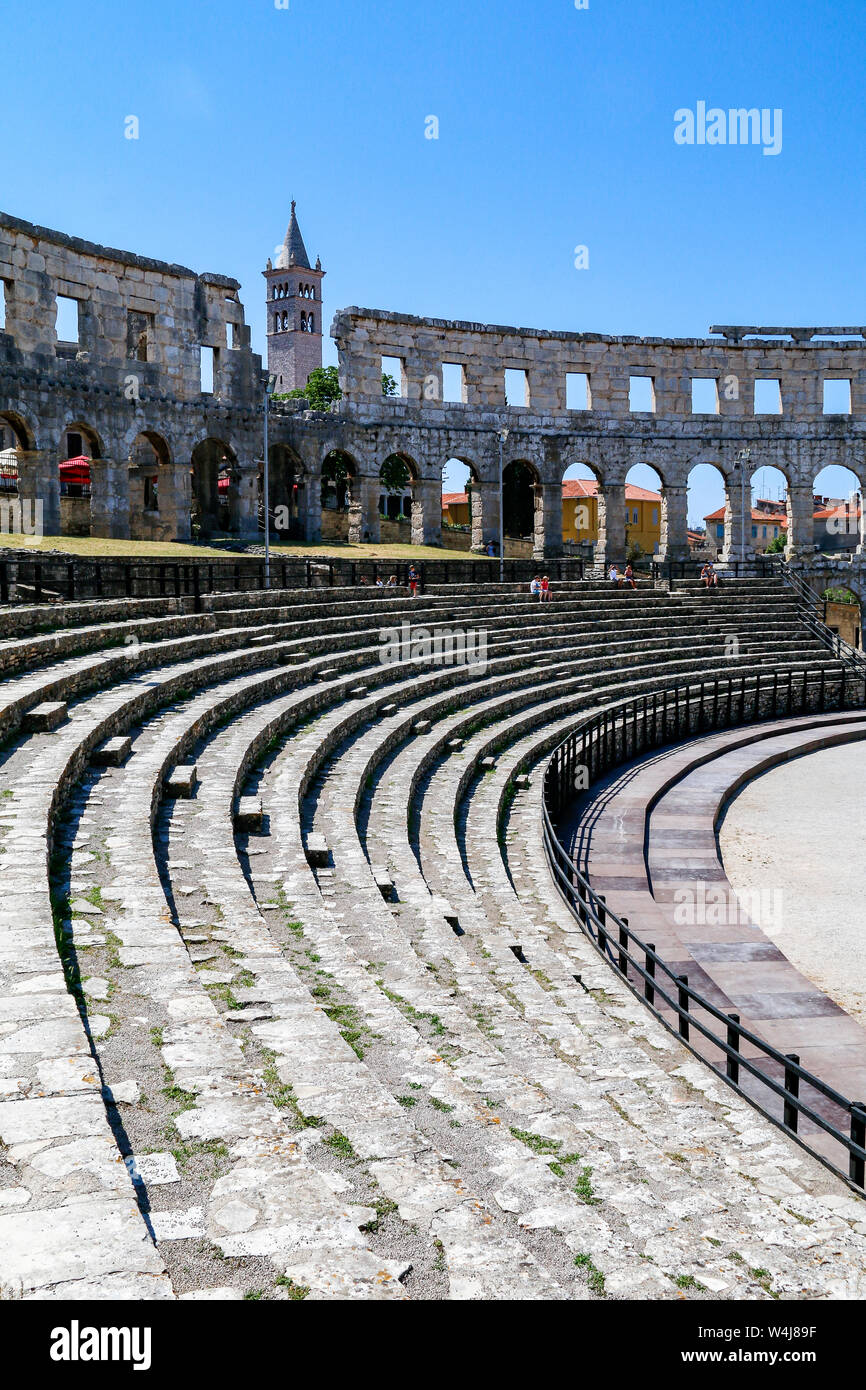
(614, 575)
(709, 576)
(628, 576)
(544, 596)
(535, 587)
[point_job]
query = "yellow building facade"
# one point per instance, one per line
(580, 513)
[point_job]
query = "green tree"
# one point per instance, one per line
(323, 388)
(776, 546)
(394, 474)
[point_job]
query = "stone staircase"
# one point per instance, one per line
(350, 1044)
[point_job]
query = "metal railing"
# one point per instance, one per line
(64, 578)
(623, 731)
(807, 605)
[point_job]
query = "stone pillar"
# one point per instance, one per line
(109, 499)
(738, 512)
(674, 530)
(485, 516)
(310, 505)
(801, 522)
(364, 509)
(548, 521)
(174, 491)
(861, 536)
(39, 481)
(244, 502)
(610, 545)
(427, 512)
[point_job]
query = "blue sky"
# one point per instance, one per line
(555, 129)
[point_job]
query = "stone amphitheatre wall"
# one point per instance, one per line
(131, 386)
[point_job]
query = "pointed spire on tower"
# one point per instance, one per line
(293, 251)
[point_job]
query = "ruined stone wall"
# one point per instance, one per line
(133, 372)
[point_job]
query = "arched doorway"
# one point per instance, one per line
(580, 510)
(646, 519)
(838, 504)
(397, 477)
(79, 445)
(151, 503)
(15, 439)
(287, 484)
(464, 523)
(767, 523)
(710, 524)
(339, 476)
(213, 468)
(519, 481)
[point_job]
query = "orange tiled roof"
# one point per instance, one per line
(764, 518)
(572, 489)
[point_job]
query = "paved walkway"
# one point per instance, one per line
(648, 840)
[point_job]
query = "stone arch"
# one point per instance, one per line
(17, 434)
(338, 471)
(713, 508)
(655, 515)
(213, 464)
(520, 479)
(581, 485)
(151, 491)
(838, 516)
(79, 445)
(288, 485)
(469, 508)
(398, 476)
(16, 439)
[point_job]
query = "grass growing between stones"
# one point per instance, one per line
(595, 1278)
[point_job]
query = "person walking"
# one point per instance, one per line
(414, 581)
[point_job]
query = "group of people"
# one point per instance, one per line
(412, 582)
(540, 587)
(709, 576)
(627, 577)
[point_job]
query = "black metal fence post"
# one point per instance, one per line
(623, 946)
(732, 1066)
(683, 1000)
(856, 1165)
(649, 992)
(792, 1090)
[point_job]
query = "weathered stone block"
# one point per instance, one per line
(45, 717)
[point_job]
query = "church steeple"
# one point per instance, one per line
(294, 310)
(293, 251)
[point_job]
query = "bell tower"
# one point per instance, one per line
(294, 312)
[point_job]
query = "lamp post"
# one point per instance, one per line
(269, 391)
(503, 437)
(742, 459)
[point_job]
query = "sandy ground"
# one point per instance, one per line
(794, 839)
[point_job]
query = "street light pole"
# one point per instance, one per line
(269, 387)
(503, 436)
